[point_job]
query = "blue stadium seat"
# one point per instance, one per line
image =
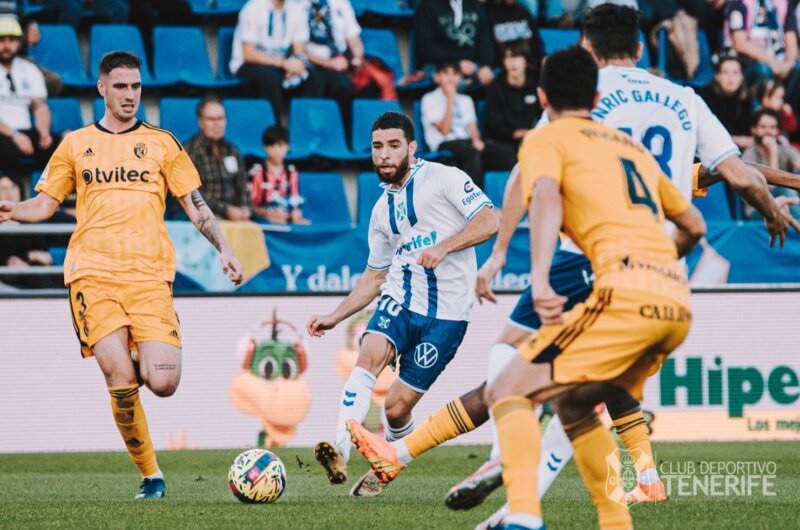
(180, 55)
(60, 52)
(365, 112)
(422, 146)
(705, 70)
(247, 119)
(35, 176)
(224, 47)
(715, 206)
(66, 114)
(179, 117)
(558, 39)
(480, 114)
(216, 7)
(382, 8)
(315, 129)
(104, 38)
(326, 201)
(494, 184)
(645, 61)
(99, 109)
(418, 86)
(382, 44)
(369, 191)
(30, 8)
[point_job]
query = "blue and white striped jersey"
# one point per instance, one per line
(435, 203)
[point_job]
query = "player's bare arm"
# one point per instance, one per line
(365, 291)
(752, 187)
(203, 219)
(34, 210)
(546, 213)
(480, 228)
(512, 213)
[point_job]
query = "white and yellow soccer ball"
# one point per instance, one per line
(257, 476)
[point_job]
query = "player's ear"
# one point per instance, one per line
(639, 52)
(101, 87)
(412, 148)
(543, 101)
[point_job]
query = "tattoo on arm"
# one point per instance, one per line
(205, 222)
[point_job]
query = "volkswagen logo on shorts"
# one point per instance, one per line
(426, 355)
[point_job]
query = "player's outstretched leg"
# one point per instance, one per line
(632, 429)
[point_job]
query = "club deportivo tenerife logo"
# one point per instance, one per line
(621, 474)
(426, 355)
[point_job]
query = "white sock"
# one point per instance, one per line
(355, 401)
(499, 356)
(527, 520)
(402, 451)
(555, 454)
(392, 434)
(648, 476)
(157, 474)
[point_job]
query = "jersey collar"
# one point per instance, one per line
(130, 129)
(414, 169)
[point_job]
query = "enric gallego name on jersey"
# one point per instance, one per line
(732, 386)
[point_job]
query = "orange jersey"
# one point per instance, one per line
(121, 182)
(614, 198)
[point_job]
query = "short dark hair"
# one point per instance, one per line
(613, 31)
(395, 120)
(447, 63)
(273, 135)
(119, 59)
(204, 102)
(569, 79)
(515, 48)
(763, 111)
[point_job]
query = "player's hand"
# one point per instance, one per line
(318, 324)
(483, 286)
(339, 63)
(23, 143)
(549, 305)
(780, 226)
(485, 75)
(432, 257)
(231, 266)
(6, 211)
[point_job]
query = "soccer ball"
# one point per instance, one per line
(257, 475)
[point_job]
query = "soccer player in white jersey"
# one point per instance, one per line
(675, 124)
(422, 264)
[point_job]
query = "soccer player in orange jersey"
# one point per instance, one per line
(120, 263)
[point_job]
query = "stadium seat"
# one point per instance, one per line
(180, 55)
(381, 8)
(365, 111)
(66, 113)
(326, 201)
(224, 47)
(216, 7)
(705, 70)
(247, 119)
(382, 44)
(645, 61)
(179, 117)
(315, 129)
(716, 206)
(60, 52)
(99, 109)
(369, 191)
(423, 85)
(494, 184)
(422, 146)
(558, 39)
(480, 113)
(104, 38)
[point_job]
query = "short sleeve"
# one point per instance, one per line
(38, 89)
(249, 24)
(297, 23)
(58, 178)
(380, 248)
(672, 201)
(181, 175)
(714, 142)
(467, 109)
(431, 112)
(541, 155)
(736, 15)
(460, 191)
(351, 25)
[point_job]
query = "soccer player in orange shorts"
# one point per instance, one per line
(120, 263)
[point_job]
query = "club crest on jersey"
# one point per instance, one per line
(400, 211)
(140, 150)
(426, 355)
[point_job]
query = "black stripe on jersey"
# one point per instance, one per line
(131, 129)
(153, 127)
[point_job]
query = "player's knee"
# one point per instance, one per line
(163, 388)
(494, 392)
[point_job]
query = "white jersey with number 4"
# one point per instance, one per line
(435, 203)
(672, 121)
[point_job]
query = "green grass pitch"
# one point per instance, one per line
(80, 490)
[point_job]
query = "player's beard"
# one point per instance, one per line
(400, 171)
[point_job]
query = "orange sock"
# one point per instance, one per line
(519, 435)
(132, 425)
(632, 430)
(445, 424)
(597, 457)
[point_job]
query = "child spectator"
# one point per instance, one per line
(770, 95)
(276, 187)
